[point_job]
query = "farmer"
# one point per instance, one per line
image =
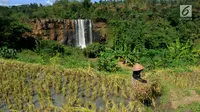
(137, 68)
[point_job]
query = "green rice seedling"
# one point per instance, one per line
(49, 100)
(82, 102)
(98, 90)
(64, 90)
(72, 89)
(75, 82)
(25, 98)
(47, 91)
(184, 83)
(131, 106)
(31, 107)
(66, 107)
(70, 101)
(105, 97)
(116, 89)
(67, 79)
(100, 93)
(7, 99)
(20, 104)
(79, 81)
(88, 104)
(103, 87)
(78, 102)
(69, 91)
(111, 84)
(82, 85)
(64, 86)
(87, 89)
(108, 105)
(124, 94)
(93, 82)
(30, 98)
(114, 107)
(8, 104)
(73, 77)
(39, 110)
(94, 94)
(101, 109)
(87, 78)
(131, 96)
(76, 92)
(88, 93)
(93, 107)
(54, 83)
(42, 103)
(58, 88)
(122, 107)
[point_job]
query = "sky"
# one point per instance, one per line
(20, 2)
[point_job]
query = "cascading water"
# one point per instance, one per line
(76, 33)
(90, 29)
(83, 32)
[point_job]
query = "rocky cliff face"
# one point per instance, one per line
(64, 30)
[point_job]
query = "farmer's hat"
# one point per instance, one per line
(137, 67)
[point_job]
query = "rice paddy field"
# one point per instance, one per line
(33, 87)
(187, 78)
(180, 89)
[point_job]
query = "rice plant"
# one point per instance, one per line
(29, 87)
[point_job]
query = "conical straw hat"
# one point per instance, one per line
(137, 67)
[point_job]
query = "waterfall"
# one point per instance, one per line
(81, 33)
(90, 30)
(78, 32)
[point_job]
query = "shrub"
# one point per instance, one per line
(93, 50)
(74, 61)
(6, 52)
(127, 56)
(50, 47)
(29, 56)
(107, 61)
(153, 58)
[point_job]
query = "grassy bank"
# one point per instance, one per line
(180, 88)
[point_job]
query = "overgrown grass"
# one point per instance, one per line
(194, 107)
(176, 83)
(30, 57)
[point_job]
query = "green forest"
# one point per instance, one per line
(149, 32)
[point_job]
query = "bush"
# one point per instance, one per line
(6, 52)
(74, 61)
(29, 56)
(50, 47)
(93, 50)
(128, 57)
(153, 58)
(107, 61)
